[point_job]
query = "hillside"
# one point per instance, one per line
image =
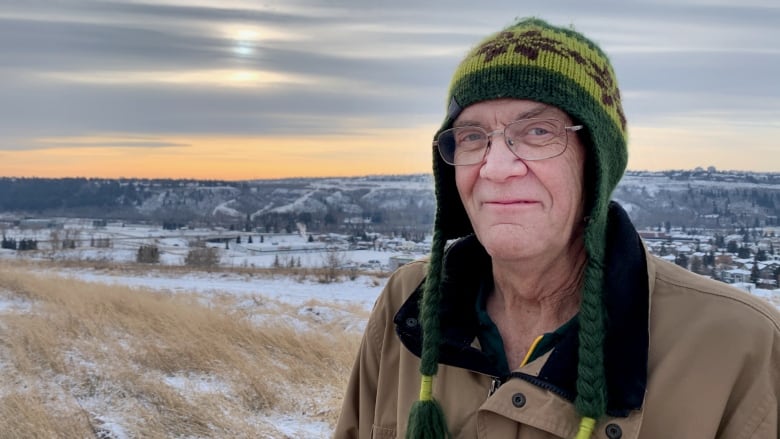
(402, 203)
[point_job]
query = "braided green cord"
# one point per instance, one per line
(429, 307)
(591, 379)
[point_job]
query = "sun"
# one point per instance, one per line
(244, 42)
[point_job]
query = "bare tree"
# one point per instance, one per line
(332, 262)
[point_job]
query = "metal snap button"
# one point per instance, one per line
(614, 431)
(411, 322)
(518, 400)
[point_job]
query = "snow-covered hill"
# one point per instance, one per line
(689, 198)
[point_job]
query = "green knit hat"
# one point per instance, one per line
(534, 60)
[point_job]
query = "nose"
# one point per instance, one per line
(500, 162)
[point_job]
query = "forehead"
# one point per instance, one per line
(505, 110)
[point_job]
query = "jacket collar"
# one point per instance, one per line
(627, 303)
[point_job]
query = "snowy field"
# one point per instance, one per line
(344, 303)
(119, 242)
(315, 302)
(362, 291)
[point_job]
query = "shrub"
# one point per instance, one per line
(202, 257)
(148, 254)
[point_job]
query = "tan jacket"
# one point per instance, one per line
(713, 372)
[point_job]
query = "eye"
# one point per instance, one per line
(534, 132)
(538, 131)
(469, 135)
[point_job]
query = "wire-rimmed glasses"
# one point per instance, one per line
(528, 139)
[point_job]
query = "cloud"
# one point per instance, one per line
(99, 140)
(302, 67)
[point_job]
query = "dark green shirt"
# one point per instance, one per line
(490, 339)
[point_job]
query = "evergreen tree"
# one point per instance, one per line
(9, 243)
(696, 264)
(710, 261)
(754, 274)
(681, 260)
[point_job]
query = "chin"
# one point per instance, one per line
(508, 246)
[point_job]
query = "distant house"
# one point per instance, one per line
(652, 235)
(684, 249)
(398, 260)
(735, 238)
(735, 275)
(39, 224)
(724, 259)
(746, 263)
(766, 270)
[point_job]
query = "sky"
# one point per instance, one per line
(240, 89)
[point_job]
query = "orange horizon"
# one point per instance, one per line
(370, 152)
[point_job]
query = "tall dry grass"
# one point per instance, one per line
(82, 360)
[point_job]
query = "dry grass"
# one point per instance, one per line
(302, 273)
(77, 359)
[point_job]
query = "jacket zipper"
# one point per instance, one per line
(543, 384)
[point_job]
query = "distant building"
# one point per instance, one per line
(398, 260)
(39, 224)
(653, 235)
(736, 276)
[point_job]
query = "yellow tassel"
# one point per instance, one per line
(426, 388)
(586, 428)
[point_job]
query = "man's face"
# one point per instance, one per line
(518, 208)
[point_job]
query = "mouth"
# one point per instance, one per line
(510, 202)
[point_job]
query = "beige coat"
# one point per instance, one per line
(713, 372)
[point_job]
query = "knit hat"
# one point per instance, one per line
(534, 60)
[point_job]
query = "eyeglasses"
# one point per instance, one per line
(528, 139)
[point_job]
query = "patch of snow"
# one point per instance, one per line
(196, 383)
(225, 210)
(363, 290)
(14, 305)
(299, 427)
(110, 429)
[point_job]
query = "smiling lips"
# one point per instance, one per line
(509, 202)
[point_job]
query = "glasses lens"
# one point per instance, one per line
(536, 139)
(463, 145)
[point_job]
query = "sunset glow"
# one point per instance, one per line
(237, 89)
(230, 158)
